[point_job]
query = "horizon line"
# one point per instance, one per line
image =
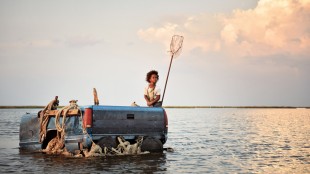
(245, 107)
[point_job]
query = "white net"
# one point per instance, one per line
(176, 45)
(175, 50)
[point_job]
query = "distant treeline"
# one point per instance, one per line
(244, 107)
(24, 107)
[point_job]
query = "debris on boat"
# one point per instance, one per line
(96, 100)
(56, 147)
(57, 144)
(123, 148)
(134, 104)
(169, 149)
(44, 117)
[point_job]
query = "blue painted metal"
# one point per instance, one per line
(112, 121)
(29, 132)
(129, 122)
(30, 128)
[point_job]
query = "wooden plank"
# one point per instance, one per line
(71, 112)
(96, 100)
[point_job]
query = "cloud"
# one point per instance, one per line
(200, 31)
(72, 41)
(273, 27)
(83, 41)
(20, 44)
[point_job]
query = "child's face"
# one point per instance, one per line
(153, 78)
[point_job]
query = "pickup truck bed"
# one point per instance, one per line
(129, 122)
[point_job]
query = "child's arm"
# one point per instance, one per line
(155, 100)
(148, 102)
(151, 102)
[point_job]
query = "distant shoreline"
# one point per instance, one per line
(22, 107)
(180, 107)
(241, 107)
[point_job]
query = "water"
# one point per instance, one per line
(204, 140)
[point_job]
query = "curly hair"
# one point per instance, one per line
(149, 74)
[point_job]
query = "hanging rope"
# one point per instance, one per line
(44, 117)
(57, 144)
(61, 127)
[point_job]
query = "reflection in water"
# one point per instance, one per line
(147, 163)
(240, 140)
(204, 140)
(280, 139)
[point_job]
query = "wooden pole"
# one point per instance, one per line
(96, 100)
(167, 79)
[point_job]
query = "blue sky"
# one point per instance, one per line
(235, 53)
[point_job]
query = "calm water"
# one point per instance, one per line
(204, 140)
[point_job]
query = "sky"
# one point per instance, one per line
(235, 53)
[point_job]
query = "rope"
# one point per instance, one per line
(44, 118)
(57, 144)
(61, 127)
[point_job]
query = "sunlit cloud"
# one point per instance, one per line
(273, 27)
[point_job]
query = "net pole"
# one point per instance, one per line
(167, 79)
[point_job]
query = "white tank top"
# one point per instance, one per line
(151, 93)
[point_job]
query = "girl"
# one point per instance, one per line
(152, 92)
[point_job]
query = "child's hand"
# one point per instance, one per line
(149, 103)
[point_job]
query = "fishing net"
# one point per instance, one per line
(175, 50)
(176, 45)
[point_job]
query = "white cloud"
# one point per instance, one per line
(273, 27)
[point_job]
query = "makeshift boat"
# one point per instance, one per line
(99, 124)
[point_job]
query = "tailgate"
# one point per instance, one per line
(119, 120)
